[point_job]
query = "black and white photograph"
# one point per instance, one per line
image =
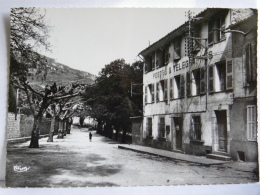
(122, 97)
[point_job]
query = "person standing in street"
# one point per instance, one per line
(90, 136)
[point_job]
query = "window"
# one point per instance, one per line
(195, 127)
(159, 58)
(224, 76)
(151, 89)
(177, 49)
(149, 127)
(179, 87)
(195, 82)
(166, 55)
(251, 122)
(161, 128)
(216, 26)
(166, 90)
(251, 63)
(149, 63)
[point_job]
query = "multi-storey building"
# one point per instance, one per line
(200, 86)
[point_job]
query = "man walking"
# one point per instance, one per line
(90, 136)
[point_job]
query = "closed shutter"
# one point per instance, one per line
(182, 86)
(251, 122)
(229, 74)
(202, 81)
(210, 76)
(165, 89)
(188, 81)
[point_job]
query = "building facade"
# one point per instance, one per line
(200, 86)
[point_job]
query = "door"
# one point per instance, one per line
(222, 129)
(178, 130)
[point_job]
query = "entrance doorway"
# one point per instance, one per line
(222, 130)
(178, 129)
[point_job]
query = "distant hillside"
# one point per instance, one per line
(61, 74)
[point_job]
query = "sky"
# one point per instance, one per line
(89, 38)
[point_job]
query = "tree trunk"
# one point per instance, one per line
(50, 139)
(99, 127)
(60, 131)
(35, 132)
(64, 128)
(68, 127)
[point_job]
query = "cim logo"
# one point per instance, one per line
(20, 169)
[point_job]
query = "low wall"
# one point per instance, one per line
(22, 126)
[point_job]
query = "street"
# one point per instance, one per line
(76, 162)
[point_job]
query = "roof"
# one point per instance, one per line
(206, 14)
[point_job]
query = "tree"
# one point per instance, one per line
(111, 99)
(29, 32)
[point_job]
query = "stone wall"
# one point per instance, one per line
(23, 125)
(13, 126)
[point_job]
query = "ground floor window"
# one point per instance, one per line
(149, 127)
(251, 122)
(161, 127)
(195, 131)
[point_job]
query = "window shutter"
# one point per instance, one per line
(157, 92)
(210, 31)
(182, 86)
(165, 89)
(254, 61)
(153, 62)
(188, 80)
(145, 94)
(229, 74)
(171, 88)
(152, 85)
(251, 122)
(210, 76)
(202, 81)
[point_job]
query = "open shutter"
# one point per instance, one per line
(165, 89)
(229, 74)
(188, 81)
(210, 76)
(145, 94)
(251, 122)
(152, 85)
(157, 92)
(171, 88)
(182, 86)
(202, 81)
(254, 61)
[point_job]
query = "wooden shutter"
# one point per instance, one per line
(229, 74)
(153, 61)
(166, 89)
(210, 31)
(171, 88)
(152, 86)
(251, 122)
(202, 81)
(157, 92)
(145, 94)
(254, 61)
(210, 77)
(188, 81)
(182, 85)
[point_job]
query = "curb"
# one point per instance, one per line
(23, 139)
(173, 158)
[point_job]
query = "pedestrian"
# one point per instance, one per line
(90, 136)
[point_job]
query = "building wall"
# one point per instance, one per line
(208, 105)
